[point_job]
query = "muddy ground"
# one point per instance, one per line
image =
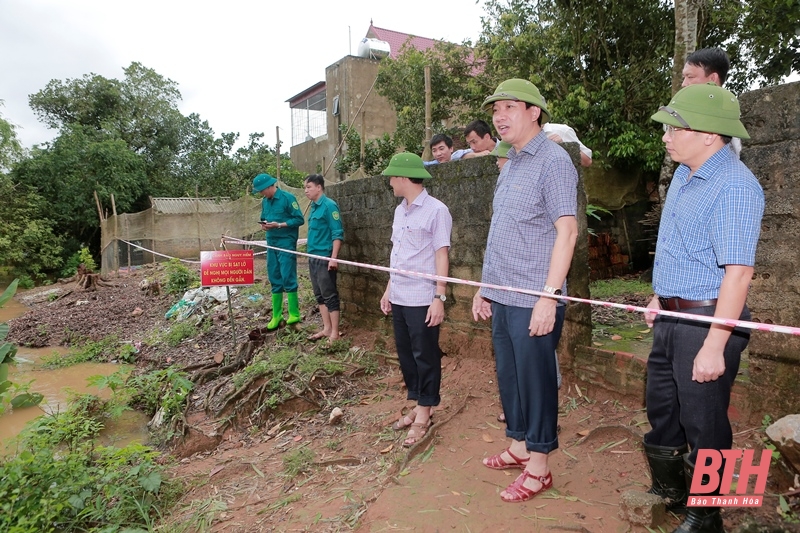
(358, 477)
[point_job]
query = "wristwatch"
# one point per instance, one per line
(441, 297)
(552, 290)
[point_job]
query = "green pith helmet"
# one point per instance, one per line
(522, 90)
(262, 181)
(406, 165)
(501, 149)
(704, 107)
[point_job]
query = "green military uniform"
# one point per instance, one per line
(324, 226)
(280, 207)
(282, 266)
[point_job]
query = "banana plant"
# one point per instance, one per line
(7, 352)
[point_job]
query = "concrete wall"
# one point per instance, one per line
(313, 157)
(769, 380)
(351, 79)
(772, 118)
(467, 188)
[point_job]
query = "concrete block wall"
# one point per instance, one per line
(467, 188)
(772, 118)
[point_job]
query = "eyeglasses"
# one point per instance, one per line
(670, 130)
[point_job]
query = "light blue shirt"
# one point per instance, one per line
(708, 221)
(458, 154)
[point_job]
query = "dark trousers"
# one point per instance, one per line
(526, 375)
(680, 410)
(419, 353)
(323, 282)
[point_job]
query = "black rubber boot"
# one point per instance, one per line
(667, 470)
(699, 519)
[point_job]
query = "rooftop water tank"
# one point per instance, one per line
(373, 48)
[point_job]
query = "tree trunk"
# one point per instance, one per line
(686, 12)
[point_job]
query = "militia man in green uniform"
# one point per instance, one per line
(280, 218)
(325, 237)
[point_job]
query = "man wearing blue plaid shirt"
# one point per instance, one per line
(706, 247)
(530, 245)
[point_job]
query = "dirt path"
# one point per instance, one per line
(296, 472)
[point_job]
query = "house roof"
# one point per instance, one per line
(307, 94)
(177, 206)
(397, 39)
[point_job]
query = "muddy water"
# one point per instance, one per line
(57, 384)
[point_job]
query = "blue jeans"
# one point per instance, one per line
(419, 354)
(680, 410)
(526, 375)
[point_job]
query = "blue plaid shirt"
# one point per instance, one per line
(536, 187)
(708, 221)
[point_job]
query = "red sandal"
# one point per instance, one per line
(517, 492)
(496, 462)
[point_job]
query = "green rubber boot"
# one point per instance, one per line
(294, 308)
(277, 311)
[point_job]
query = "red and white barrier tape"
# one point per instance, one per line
(775, 328)
(631, 308)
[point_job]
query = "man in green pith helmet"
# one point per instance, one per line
(420, 243)
(705, 257)
(280, 218)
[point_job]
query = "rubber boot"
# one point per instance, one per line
(277, 311)
(667, 470)
(699, 519)
(294, 308)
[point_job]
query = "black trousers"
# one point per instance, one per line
(419, 354)
(680, 410)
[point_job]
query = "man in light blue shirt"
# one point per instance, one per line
(442, 149)
(706, 248)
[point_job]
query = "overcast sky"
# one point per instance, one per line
(236, 62)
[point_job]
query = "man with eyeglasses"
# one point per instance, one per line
(704, 261)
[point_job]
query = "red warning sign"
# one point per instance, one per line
(234, 267)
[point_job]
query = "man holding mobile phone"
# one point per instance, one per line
(281, 218)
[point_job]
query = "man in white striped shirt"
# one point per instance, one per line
(420, 243)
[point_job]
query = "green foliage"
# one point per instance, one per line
(121, 394)
(10, 148)
(127, 138)
(300, 460)
(17, 396)
(377, 153)
(81, 257)
(178, 332)
(179, 278)
(105, 349)
(58, 480)
(604, 68)
(453, 87)
(595, 211)
(605, 288)
(165, 389)
(29, 244)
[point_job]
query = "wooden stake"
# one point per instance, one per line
(99, 209)
(278, 153)
(427, 155)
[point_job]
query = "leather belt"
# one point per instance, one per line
(678, 304)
